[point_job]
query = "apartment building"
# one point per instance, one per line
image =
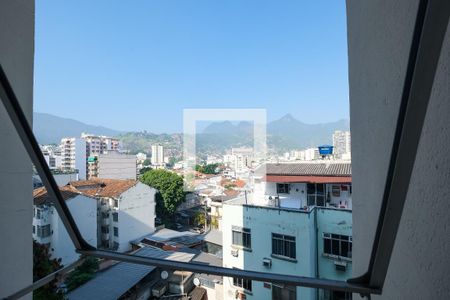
(73, 151)
(296, 221)
(125, 210)
(110, 214)
(342, 144)
(100, 144)
(49, 229)
(157, 158)
(112, 165)
(52, 155)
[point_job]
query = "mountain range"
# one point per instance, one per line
(49, 129)
(286, 133)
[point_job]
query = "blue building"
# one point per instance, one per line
(297, 220)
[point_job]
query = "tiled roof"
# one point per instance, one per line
(41, 196)
(308, 179)
(103, 187)
(109, 188)
(308, 169)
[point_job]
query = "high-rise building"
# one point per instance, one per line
(341, 143)
(100, 144)
(73, 151)
(157, 155)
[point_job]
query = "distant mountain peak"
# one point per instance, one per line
(288, 117)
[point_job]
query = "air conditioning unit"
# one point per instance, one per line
(340, 265)
(235, 252)
(267, 262)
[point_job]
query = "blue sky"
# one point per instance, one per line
(135, 65)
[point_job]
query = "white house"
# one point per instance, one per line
(126, 210)
(49, 229)
(110, 213)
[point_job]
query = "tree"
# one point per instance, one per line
(200, 219)
(144, 170)
(82, 273)
(207, 169)
(147, 162)
(43, 265)
(170, 187)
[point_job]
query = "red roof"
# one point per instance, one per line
(309, 179)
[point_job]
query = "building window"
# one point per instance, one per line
(315, 194)
(38, 214)
(116, 231)
(43, 231)
(116, 203)
(115, 217)
(336, 190)
(105, 229)
(336, 295)
(242, 237)
(283, 245)
(34, 229)
(246, 284)
(337, 244)
(282, 188)
(284, 293)
(116, 245)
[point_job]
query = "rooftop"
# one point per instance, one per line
(168, 237)
(214, 236)
(307, 169)
(92, 188)
(209, 259)
(103, 187)
(115, 281)
(41, 196)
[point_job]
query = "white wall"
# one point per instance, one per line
(16, 57)
(136, 215)
(80, 157)
(84, 212)
(117, 166)
(379, 37)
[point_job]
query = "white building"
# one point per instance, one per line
(49, 229)
(288, 225)
(99, 144)
(110, 214)
(112, 165)
(126, 210)
(73, 151)
(52, 155)
(342, 144)
(157, 155)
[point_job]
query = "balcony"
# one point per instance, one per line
(105, 236)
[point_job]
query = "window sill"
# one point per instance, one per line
(332, 256)
(240, 289)
(283, 258)
(237, 247)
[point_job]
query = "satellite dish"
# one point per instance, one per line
(164, 275)
(196, 281)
